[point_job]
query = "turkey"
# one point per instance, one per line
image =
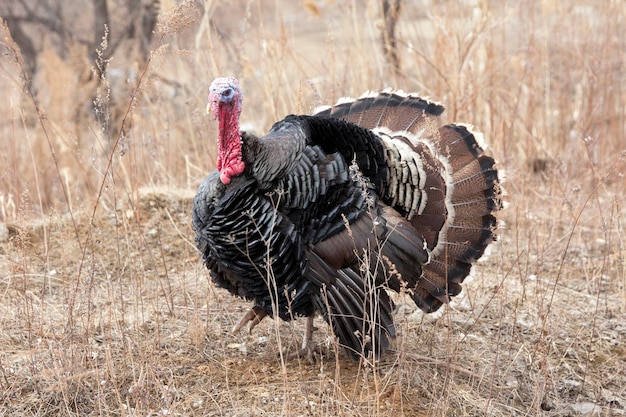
(327, 212)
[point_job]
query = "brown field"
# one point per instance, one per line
(105, 308)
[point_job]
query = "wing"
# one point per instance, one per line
(352, 238)
(339, 220)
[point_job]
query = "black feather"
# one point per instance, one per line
(331, 209)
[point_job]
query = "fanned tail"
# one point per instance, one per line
(473, 194)
(438, 179)
(396, 110)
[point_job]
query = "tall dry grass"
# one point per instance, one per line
(103, 309)
(537, 96)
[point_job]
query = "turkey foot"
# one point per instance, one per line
(307, 350)
(252, 316)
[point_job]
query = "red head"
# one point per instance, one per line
(225, 99)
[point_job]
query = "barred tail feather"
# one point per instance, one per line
(474, 194)
(396, 110)
(438, 181)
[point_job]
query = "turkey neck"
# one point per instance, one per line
(229, 159)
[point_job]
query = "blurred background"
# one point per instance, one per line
(123, 84)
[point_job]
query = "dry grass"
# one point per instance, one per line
(105, 309)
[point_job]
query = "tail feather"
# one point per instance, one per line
(462, 190)
(439, 183)
(484, 233)
(448, 272)
(460, 144)
(475, 205)
(479, 174)
(395, 110)
(436, 286)
(464, 251)
(473, 194)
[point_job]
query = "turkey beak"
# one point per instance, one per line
(212, 105)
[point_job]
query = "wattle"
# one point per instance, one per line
(229, 159)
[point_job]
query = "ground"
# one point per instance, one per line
(128, 323)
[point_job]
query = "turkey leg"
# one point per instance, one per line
(308, 349)
(252, 316)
